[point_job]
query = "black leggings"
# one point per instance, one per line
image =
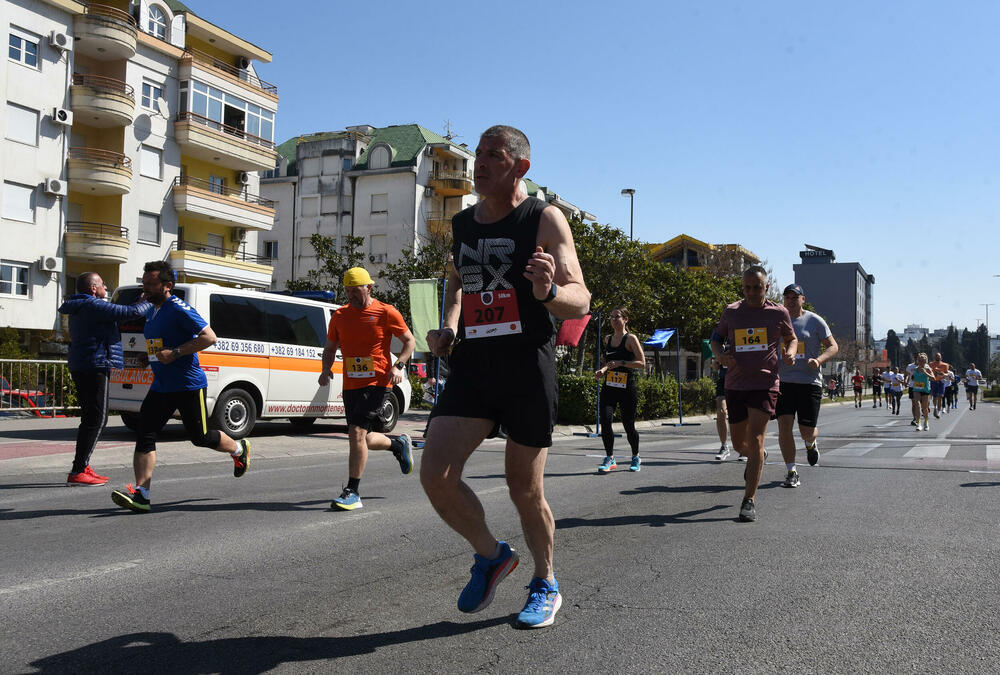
(158, 407)
(627, 401)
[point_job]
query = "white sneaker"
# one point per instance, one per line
(722, 454)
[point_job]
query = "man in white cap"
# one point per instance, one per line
(363, 330)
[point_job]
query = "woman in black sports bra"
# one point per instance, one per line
(623, 356)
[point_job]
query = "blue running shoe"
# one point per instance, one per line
(347, 501)
(636, 464)
(404, 453)
(608, 464)
(544, 601)
(486, 576)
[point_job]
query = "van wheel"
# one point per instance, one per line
(302, 423)
(389, 413)
(235, 413)
(130, 420)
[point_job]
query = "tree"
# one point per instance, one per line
(893, 348)
(692, 301)
(332, 263)
(951, 350)
(429, 262)
(910, 352)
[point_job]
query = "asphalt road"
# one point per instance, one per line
(884, 560)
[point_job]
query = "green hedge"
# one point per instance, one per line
(657, 398)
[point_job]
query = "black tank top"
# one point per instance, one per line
(498, 306)
(620, 353)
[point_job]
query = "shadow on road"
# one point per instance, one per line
(652, 520)
(190, 505)
(155, 653)
(981, 484)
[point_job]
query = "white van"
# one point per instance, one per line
(265, 364)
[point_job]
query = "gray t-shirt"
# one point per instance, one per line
(811, 330)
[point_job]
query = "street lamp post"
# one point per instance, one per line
(631, 208)
(986, 366)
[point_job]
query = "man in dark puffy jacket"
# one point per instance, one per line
(95, 348)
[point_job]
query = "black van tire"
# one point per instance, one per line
(389, 414)
(235, 413)
(130, 420)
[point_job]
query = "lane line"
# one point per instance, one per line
(928, 451)
(958, 418)
(96, 572)
(852, 450)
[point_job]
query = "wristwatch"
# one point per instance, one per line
(552, 293)
(401, 365)
(175, 352)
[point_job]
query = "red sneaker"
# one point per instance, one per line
(84, 478)
(90, 472)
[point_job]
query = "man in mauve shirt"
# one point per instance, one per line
(759, 333)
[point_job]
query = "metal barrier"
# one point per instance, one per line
(36, 388)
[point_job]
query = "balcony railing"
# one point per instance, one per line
(220, 252)
(223, 190)
(235, 71)
(104, 84)
(109, 13)
(451, 175)
(98, 229)
(103, 157)
(225, 128)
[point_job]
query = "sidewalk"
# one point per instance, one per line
(36, 445)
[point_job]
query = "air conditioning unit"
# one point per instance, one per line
(50, 263)
(243, 178)
(244, 63)
(62, 116)
(54, 186)
(238, 234)
(60, 40)
(377, 258)
(428, 192)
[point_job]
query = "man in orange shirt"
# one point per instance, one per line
(363, 329)
(940, 370)
(858, 381)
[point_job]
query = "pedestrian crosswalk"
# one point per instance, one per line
(963, 451)
(928, 451)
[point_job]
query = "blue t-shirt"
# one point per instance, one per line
(811, 330)
(173, 324)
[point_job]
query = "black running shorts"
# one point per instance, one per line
(516, 388)
(364, 407)
(799, 399)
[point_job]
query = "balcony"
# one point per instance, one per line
(197, 261)
(96, 242)
(99, 172)
(194, 58)
(223, 145)
(202, 200)
(451, 183)
(439, 224)
(102, 102)
(104, 33)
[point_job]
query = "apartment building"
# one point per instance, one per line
(133, 131)
(842, 293)
(394, 186)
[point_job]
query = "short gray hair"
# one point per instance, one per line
(514, 140)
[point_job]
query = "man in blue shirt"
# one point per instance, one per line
(174, 333)
(95, 348)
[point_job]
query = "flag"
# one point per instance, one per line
(571, 331)
(424, 310)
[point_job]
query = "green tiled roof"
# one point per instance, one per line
(288, 148)
(178, 7)
(407, 142)
(532, 186)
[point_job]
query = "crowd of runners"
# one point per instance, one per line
(513, 257)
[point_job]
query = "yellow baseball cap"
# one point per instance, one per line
(357, 276)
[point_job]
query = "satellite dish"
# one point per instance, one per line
(161, 104)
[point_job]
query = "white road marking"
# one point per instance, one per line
(704, 446)
(928, 451)
(853, 449)
(96, 572)
(993, 453)
(958, 418)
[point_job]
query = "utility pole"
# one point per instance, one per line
(986, 367)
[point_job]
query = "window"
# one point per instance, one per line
(150, 92)
(236, 317)
(310, 206)
(19, 202)
(215, 245)
(23, 47)
(347, 163)
(295, 324)
(149, 228)
(329, 204)
(14, 279)
(380, 204)
(378, 157)
(217, 184)
(150, 161)
(22, 124)
(233, 112)
(271, 249)
(157, 22)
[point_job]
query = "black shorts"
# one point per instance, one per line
(516, 388)
(364, 407)
(803, 400)
(720, 387)
(159, 406)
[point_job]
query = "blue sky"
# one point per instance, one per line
(870, 128)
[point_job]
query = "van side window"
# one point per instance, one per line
(237, 318)
(295, 324)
